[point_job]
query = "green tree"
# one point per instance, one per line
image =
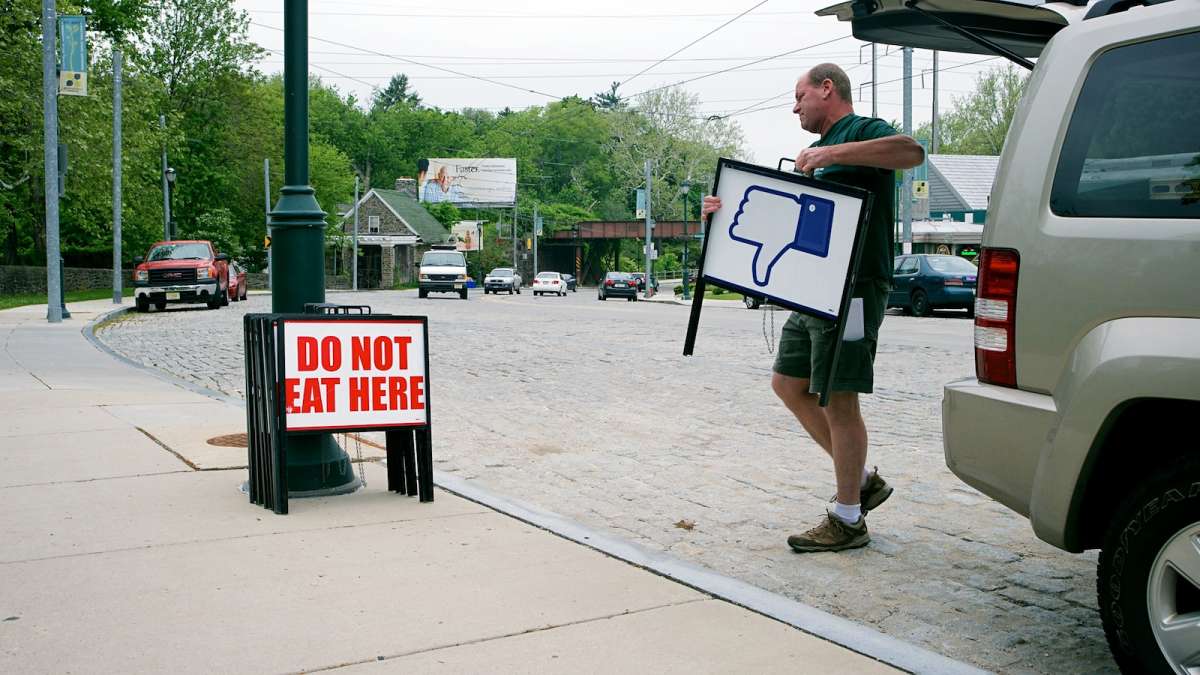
(396, 93)
(978, 122)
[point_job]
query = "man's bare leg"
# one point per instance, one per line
(793, 391)
(848, 434)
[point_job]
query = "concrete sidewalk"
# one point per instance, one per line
(128, 547)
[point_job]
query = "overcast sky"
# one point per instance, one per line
(558, 49)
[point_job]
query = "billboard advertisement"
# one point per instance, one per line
(468, 182)
(467, 235)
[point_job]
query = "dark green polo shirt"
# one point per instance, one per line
(876, 262)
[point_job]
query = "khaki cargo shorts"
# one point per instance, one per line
(806, 346)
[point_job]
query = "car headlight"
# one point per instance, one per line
(204, 273)
(461, 277)
(424, 277)
(141, 275)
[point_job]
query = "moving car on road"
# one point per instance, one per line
(502, 279)
(181, 271)
(549, 282)
(617, 285)
(572, 284)
(443, 270)
(1082, 413)
(640, 278)
(922, 283)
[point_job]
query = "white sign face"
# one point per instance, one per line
(467, 235)
(354, 374)
(782, 237)
(487, 181)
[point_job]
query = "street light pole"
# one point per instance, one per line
(315, 464)
(683, 192)
(170, 202)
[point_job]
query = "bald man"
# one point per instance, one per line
(862, 152)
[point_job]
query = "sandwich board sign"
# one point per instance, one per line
(785, 237)
(368, 373)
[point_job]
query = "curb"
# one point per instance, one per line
(842, 632)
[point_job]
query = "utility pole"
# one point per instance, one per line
(536, 232)
(934, 127)
(354, 256)
(116, 176)
(267, 212)
(50, 153)
(906, 188)
(683, 191)
(162, 125)
(649, 291)
(514, 236)
(315, 464)
(874, 79)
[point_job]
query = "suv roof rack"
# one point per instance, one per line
(1106, 7)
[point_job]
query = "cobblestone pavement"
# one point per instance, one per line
(588, 409)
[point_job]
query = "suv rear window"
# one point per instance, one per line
(1133, 147)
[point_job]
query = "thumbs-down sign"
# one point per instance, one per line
(775, 222)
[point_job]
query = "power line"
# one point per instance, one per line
(677, 51)
(553, 17)
(744, 65)
(418, 63)
(507, 60)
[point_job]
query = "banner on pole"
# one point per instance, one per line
(72, 38)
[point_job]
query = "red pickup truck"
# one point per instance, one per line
(184, 271)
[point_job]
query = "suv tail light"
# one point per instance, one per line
(995, 317)
(608, 282)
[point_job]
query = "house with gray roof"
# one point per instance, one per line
(394, 229)
(960, 186)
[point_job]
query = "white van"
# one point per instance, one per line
(443, 270)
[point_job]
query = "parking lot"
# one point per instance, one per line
(588, 409)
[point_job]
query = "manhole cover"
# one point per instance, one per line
(230, 441)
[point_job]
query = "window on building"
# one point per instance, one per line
(1120, 161)
(373, 224)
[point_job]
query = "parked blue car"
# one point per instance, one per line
(923, 282)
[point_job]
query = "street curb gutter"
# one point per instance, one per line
(842, 632)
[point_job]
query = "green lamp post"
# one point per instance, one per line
(315, 464)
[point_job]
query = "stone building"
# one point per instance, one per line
(394, 229)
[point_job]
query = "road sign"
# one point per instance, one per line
(72, 75)
(921, 189)
(537, 226)
(640, 213)
(267, 241)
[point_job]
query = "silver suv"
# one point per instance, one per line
(1084, 411)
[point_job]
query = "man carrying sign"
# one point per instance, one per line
(861, 152)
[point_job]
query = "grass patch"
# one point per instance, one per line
(10, 301)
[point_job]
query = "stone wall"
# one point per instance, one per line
(17, 279)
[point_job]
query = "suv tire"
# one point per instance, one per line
(1134, 586)
(142, 304)
(463, 294)
(751, 302)
(920, 303)
(422, 293)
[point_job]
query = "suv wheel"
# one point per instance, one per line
(1149, 575)
(142, 303)
(920, 303)
(750, 302)
(422, 293)
(463, 294)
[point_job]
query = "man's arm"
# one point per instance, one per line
(890, 152)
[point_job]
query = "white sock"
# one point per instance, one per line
(866, 477)
(849, 513)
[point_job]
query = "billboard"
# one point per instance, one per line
(467, 235)
(468, 182)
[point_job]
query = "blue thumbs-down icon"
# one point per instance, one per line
(758, 223)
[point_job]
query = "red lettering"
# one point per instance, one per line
(383, 353)
(378, 395)
(306, 353)
(402, 344)
(331, 353)
(358, 394)
(360, 353)
(396, 394)
(291, 392)
(416, 394)
(330, 397)
(312, 396)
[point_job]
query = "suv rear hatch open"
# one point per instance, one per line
(1021, 27)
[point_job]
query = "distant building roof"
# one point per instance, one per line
(961, 182)
(412, 214)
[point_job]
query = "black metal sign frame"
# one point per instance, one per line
(702, 279)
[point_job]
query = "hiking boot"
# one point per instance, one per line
(874, 493)
(833, 534)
